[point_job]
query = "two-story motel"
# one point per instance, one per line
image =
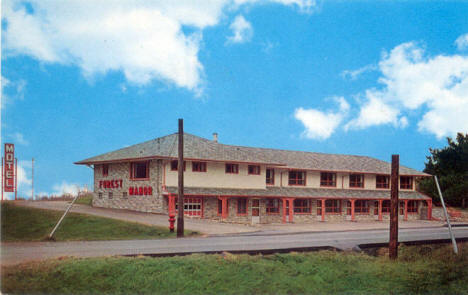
(252, 185)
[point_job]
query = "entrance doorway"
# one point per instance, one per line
(255, 211)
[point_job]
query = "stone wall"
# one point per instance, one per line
(119, 198)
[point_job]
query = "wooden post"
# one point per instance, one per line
(380, 209)
(323, 209)
(393, 244)
(284, 210)
(180, 170)
(2, 178)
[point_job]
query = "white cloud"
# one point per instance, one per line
(305, 6)
(353, 75)
(462, 42)
(241, 30)
(143, 39)
(321, 125)
(436, 86)
(65, 188)
(11, 90)
(24, 182)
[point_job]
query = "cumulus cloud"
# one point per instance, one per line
(24, 181)
(144, 40)
(321, 124)
(241, 30)
(435, 86)
(462, 42)
(11, 90)
(65, 188)
(353, 75)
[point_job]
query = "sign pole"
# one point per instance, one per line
(16, 179)
(2, 179)
(454, 243)
(180, 169)
(32, 179)
(393, 243)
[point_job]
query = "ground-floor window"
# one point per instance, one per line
(332, 206)
(242, 206)
(192, 206)
(272, 206)
(385, 207)
(302, 206)
(413, 206)
(360, 206)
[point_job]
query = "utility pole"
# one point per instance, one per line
(180, 169)
(32, 179)
(393, 244)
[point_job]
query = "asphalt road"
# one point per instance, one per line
(13, 253)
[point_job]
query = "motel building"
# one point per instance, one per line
(252, 185)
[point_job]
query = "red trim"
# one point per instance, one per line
(272, 176)
(246, 206)
(201, 166)
(387, 182)
(356, 174)
(297, 179)
(326, 181)
(147, 171)
(411, 182)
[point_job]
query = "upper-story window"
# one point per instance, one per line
(254, 169)
(105, 169)
(270, 176)
(199, 166)
(139, 170)
(232, 168)
(356, 180)
(327, 179)
(297, 177)
(406, 182)
(175, 165)
(382, 181)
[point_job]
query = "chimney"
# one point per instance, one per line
(215, 137)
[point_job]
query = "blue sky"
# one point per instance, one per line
(354, 77)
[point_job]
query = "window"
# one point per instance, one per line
(327, 179)
(297, 177)
(232, 168)
(319, 207)
(385, 207)
(332, 206)
(356, 180)
(406, 182)
(270, 176)
(139, 170)
(105, 169)
(192, 206)
(412, 206)
(124, 195)
(241, 206)
(361, 206)
(382, 181)
(272, 206)
(175, 165)
(301, 206)
(111, 195)
(100, 195)
(254, 169)
(199, 166)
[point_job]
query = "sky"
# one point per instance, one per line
(375, 78)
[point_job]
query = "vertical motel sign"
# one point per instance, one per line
(9, 168)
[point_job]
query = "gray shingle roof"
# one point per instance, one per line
(299, 193)
(200, 148)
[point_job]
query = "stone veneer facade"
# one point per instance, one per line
(159, 172)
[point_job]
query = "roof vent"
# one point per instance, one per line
(215, 137)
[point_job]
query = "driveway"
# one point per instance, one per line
(210, 227)
(13, 253)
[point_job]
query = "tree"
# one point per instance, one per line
(450, 165)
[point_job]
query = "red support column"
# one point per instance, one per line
(352, 209)
(284, 210)
(171, 209)
(380, 210)
(323, 209)
(406, 210)
(429, 209)
(291, 210)
(224, 207)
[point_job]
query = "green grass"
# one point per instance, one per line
(31, 224)
(419, 270)
(86, 199)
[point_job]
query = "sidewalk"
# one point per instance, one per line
(211, 227)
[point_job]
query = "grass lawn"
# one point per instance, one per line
(86, 199)
(31, 224)
(419, 270)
